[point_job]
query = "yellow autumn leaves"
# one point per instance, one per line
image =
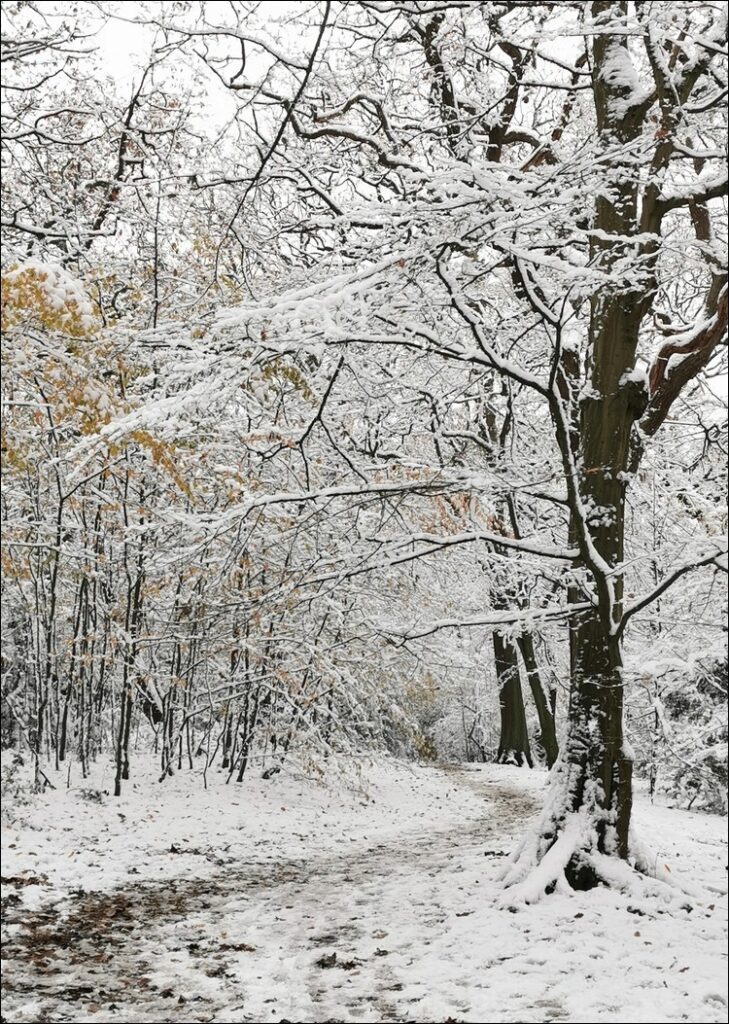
(61, 371)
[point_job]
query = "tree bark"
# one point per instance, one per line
(545, 708)
(514, 739)
(599, 768)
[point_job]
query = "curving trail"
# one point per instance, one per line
(323, 928)
(402, 929)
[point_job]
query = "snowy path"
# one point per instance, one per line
(402, 927)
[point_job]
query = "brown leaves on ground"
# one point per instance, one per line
(330, 960)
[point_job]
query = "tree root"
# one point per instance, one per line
(563, 852)
(573, 862)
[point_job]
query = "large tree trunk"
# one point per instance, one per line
(588, 815)
(599, 768)
(514, 739)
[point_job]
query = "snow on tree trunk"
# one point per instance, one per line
(594, 782)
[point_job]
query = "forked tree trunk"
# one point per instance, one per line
(544, 706)
(514, 738)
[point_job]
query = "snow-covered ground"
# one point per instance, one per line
(372, 897)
